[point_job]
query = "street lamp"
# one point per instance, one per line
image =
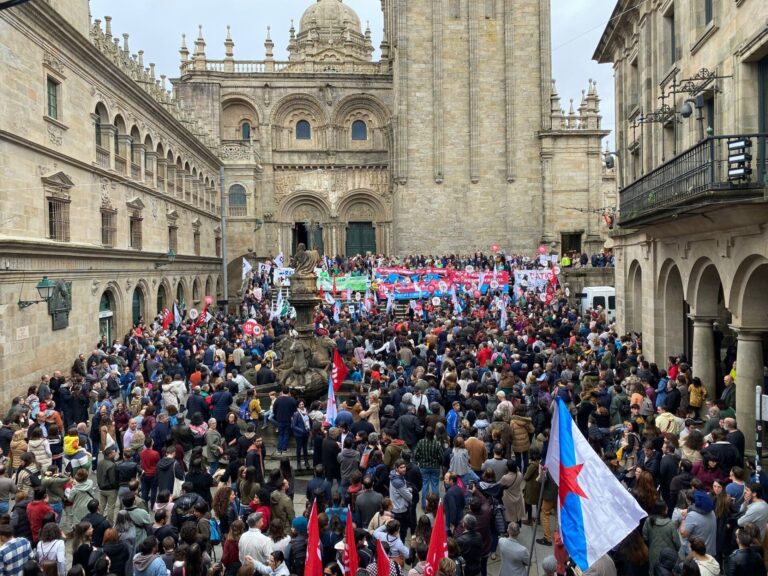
(170, 255)
(44, 289)
(687, 111)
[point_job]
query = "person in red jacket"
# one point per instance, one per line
(37, 510)
(149, 458)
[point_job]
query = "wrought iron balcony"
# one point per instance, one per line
(695, 178)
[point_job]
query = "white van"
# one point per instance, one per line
(594, 296)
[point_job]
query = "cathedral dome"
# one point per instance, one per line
(329, 13)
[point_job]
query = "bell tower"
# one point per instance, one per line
(472, 82)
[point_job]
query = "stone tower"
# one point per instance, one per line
(472, 83)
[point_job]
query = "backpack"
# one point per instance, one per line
(624, 410)
(646, 406)
(215, 532)
(245, 413)
(298, 556)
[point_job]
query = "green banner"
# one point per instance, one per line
(354, 283)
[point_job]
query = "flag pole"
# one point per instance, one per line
(536, 524)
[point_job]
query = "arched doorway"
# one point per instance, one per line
(137, 305)
(162, 299)
(196, 297)
(107, 311)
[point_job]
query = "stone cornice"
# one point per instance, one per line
(68, 41)
(96, 170)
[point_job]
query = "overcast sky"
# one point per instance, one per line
(156, 27)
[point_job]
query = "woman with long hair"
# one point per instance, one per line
(81, 544)
(51, 548)
(248, 486)
(725, 512)
(225, 508)
(513, 482)
(383, 516)
(421, 534)
(278, 534)
(644, 490)
(200, 478)
(126, 531)
(230, 556)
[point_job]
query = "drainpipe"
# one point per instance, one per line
(223, 237)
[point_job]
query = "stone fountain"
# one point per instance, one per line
(306, 359)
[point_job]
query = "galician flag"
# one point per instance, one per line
(176, 315)
(596, 511)
(331, 412)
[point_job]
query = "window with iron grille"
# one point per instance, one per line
(135, 230)
(53, 98)
(58, 219)
(196, 238)
(108, 226)
(238, 201)
(173, 239)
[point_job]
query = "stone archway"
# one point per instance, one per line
(110, 309)
(705, 294)
(368, 223)
(138, 303)
(671, 337)
(305, 217)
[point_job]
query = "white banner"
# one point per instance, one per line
(534, 280)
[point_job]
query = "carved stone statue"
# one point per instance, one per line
(305, 261)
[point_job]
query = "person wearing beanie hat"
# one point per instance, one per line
(699, 521)
(296, 550)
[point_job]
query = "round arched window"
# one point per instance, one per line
(238, 202)
(359, 130)
(303, 130)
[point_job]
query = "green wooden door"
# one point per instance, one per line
(361, 238)
(136, 305)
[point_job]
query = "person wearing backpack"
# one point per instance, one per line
(296, 550)
(27, 477)
(619, 406)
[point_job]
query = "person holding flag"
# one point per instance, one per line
(590, 498)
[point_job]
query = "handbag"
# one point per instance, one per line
(49, 567)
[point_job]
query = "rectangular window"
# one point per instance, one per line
(53, 98)
(218, 247)
(709, 117)
(670, 40)
(58, 219)
(135, 230)
(634, 85)
(108, 227)
(173, 239)
(709, 11)
(196, 239)
(598, 301)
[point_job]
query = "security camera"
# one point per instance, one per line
(687, 110)
(609, 162)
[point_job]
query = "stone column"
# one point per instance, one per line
(108, 132)
(160, 165)
(703, 353)
(150, 164)
(749, 374)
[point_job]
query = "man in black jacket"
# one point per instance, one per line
(744, 560)
(679, 483)
(106, 478)
(98, 522)
(471, 546)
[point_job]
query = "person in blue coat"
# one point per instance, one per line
(453, 419)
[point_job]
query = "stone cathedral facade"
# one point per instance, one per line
(454, 140)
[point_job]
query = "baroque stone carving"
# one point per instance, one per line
(55, 135)
(235, 152)
(95, 286)
(53, 63)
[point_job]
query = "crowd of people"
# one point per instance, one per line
(149, 458)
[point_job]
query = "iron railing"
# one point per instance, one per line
(696, 176)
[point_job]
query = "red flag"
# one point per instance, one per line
(339, 371)
(314, 565)
(167, 318)
(201, 317)
(350, 550)
(438, 544)
(382, 560)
